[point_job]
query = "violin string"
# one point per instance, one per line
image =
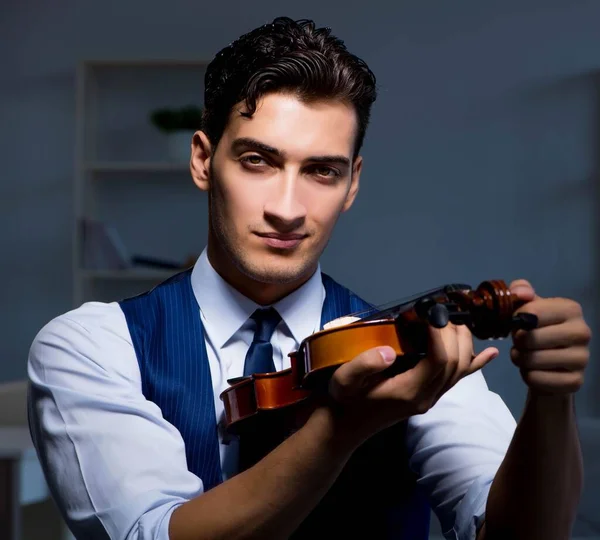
(393, 308)
(390, 309)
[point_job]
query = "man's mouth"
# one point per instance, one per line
(282, 241)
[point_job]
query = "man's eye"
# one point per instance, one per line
(326, 172)
(253, 160)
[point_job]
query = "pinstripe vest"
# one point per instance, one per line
(374, 497)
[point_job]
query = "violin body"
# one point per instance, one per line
(261, 393)
(488, 311)
(317, 358)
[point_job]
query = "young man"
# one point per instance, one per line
(124, 404)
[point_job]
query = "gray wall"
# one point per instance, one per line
(481, 160)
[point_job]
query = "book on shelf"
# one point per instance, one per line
(104, 249)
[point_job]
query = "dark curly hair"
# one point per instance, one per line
(286, 56)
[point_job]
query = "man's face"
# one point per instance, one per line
(278, 182)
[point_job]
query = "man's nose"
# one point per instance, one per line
(285, 206)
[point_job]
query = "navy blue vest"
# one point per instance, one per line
(375, 496)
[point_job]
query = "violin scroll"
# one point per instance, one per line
(488, 310)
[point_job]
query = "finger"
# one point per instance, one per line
(522, 289)
(553, 381)
(405, 388)
(571, 359)
(557, 336)
(441, 363)
(464, 340)
(465, 348)
(566, 334)
(483, 358)
(426, 378)
(476, 362)
(353, 378)
(551, 311)
(465, 354)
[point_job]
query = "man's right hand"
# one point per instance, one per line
(371, 401)
(272, 498)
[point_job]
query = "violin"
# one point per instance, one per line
(488, 311)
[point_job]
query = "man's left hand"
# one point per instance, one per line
(552, 358)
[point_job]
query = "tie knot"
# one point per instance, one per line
(266, 321)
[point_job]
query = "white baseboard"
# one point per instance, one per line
(437, 537)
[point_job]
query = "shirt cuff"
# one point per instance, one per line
(470, 513)
(146, 518)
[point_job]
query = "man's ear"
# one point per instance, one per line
(354, 184)
(202, 153)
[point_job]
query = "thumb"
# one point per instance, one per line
(357, 376)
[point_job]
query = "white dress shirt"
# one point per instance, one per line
(118, 469)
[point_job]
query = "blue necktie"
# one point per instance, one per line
(259, 358)
(256, 443)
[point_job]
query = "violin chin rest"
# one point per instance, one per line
(340, 321)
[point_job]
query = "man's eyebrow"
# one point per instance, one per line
(340, 160)
(252, 144)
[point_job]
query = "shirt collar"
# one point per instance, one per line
(226, 309)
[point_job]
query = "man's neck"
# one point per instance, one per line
(263, 294)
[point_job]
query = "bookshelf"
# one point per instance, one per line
(126, 179)
(139, 166)
(128, 274)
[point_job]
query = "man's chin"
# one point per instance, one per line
(275, 278)
(279, 274)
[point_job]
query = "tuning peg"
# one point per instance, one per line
(457, 316)
(524, 321)
(460, 317)
(438, 315)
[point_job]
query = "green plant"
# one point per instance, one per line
(187, 118)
